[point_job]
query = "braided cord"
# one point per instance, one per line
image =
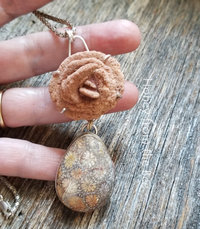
(43, 18)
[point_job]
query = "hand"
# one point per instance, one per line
(34, 54)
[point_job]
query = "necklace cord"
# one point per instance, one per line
(43, 18)
(7, 209)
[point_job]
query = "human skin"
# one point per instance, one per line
(36, 54)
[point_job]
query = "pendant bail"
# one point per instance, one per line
(71, 37)
(89, 126)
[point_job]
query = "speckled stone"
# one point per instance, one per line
(85, 176)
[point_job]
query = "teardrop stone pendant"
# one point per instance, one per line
(85, 176)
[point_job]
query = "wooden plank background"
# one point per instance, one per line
(155, 146)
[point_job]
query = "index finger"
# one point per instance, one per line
(37, 53)
(12, 9)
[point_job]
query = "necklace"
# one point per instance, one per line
(85, 86)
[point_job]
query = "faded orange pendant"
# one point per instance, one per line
(86, 174)
(86, 85)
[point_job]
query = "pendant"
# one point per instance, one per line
(86, 85)
(85, 176)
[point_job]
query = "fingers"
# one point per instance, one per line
(31, 55)
(24, 159)
(33, 106)
(11, 9)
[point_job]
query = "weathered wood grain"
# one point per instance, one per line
(155, 146)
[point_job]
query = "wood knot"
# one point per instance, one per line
(89, 89)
